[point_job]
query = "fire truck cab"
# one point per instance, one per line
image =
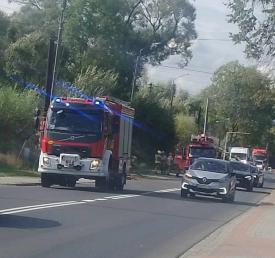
(86, 139)
(200, 146)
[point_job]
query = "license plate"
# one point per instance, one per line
(203, 186)
(68, 161)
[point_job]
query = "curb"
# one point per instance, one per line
(214, 239)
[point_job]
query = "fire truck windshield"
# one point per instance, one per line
(202, 152)
(259, 157)
(74, 121)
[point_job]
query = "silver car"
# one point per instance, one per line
(210, 177)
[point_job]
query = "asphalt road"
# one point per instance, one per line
(149, 219)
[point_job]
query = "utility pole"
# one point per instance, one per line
(206, 116)
(59, 37)
(49, 81)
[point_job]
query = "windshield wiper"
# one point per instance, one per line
(58, 130)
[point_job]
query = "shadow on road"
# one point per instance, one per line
(206, 199)
(255, 190)
(23, 222)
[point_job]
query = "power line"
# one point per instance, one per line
(213, 39)
(187, 69)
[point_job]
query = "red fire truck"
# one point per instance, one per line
(89, 139)
(200, 146)
(260, 158)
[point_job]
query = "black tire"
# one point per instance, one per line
(183, 193)
(71, 183)
(193, 195)
(230, 197)
(45, 180)
(100, 183)
(120, 183)
(249, 188)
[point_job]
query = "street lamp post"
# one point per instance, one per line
(226, 140)
(59, 36)
(206, 116)
(174, 88)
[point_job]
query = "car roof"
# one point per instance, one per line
(218, 160)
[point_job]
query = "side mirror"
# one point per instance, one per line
(37, 119)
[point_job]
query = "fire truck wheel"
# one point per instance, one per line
(45, 180)
(120, 182)
(100, 183)
(71, 182)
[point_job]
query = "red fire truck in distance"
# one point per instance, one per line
(200, 146)
(86, 139)
(260, 158)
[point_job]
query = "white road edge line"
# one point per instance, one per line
(40, 208)
(68, 203)
(36, 206)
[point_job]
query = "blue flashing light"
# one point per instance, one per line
(57, 100)
(97, 102)
(67, 104)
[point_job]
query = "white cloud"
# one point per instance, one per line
(207, 55)
(7, 7)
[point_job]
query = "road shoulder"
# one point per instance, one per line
(249, 235)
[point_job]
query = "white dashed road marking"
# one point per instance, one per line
(70, 203)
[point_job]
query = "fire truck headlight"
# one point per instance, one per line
(46, 161)
(95, 164)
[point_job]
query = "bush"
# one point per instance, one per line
(154, 128)
(16, 116)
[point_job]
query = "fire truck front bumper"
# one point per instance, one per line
(71, 164)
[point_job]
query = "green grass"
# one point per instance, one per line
(6, 170)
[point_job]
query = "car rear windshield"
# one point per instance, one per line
(216, 166)
(238, 166)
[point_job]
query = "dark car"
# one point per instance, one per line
(258, 176)
(244, 175)
(208, 176)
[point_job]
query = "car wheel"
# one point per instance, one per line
(183, 193)
(45, 180)
(250, 188)
(262, 184)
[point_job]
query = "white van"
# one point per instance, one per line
(240, 153)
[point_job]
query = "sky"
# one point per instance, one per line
(208, 55)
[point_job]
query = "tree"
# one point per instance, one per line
(97, 82)
(255, 19)
(113, 35)
(185, 127)
(4, 25)
(154, 127)
(242, 98)
(27, 58)
(16, 116)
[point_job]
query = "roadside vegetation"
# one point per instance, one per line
(104, 42)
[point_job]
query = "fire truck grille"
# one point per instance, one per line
(83, 152)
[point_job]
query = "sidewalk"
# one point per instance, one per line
(252, 235)
(19, 180)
